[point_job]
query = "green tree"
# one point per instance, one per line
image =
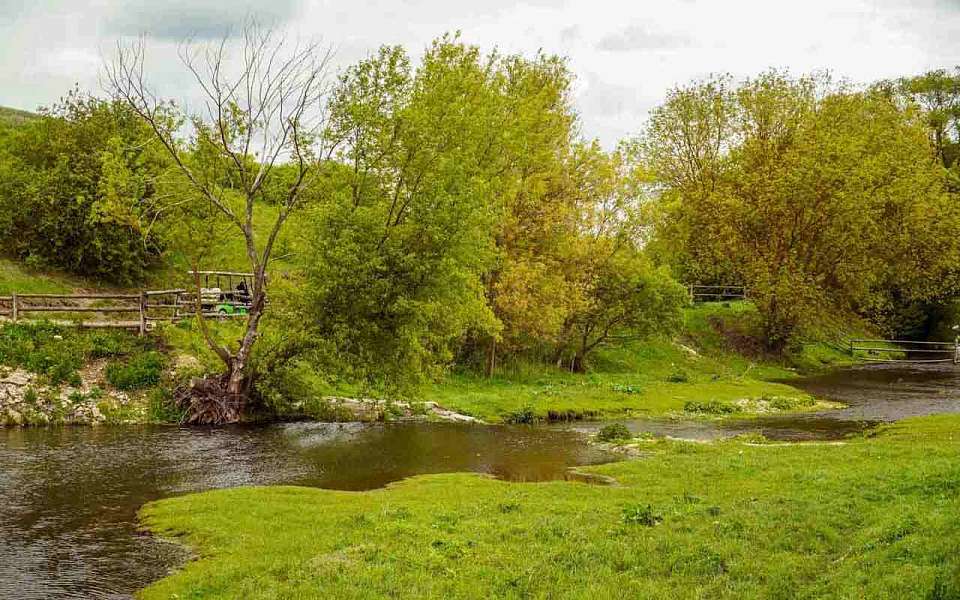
(77, 190)
(827, 201)
(392, 265)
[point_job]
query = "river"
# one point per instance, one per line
(69, 496)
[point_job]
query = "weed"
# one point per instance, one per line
(522, 416)
(137, 372)
(638, 514)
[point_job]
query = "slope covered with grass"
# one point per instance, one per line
(15, 116)
(717, 366)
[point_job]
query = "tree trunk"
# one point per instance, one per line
(577, 365)
(491, 365)
(237, 375)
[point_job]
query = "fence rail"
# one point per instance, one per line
(150, 306)
(906, 351)
(716, 293)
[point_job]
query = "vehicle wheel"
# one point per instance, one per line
(222, 314)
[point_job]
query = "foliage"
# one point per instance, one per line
(937, 93)
(639, 514)
(614, 432)
(141, 371)
(869, 518)
(58, 353)
(820, 199)
(75, 190)
(392, 264)
(633, 378)
(710, 407)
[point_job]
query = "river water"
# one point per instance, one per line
(69, 496)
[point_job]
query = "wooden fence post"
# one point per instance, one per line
(13, 306)
(143, 312)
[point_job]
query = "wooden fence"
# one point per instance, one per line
(716, 293)
(909, 351)
(141, 309)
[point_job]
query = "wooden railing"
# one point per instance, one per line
(912, 351)
(144, 308)
(716, 293)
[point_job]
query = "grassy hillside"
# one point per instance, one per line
(15, 116)
(714, 368)
(871, 518)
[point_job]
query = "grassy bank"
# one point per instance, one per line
(717, 367)
(874, 518)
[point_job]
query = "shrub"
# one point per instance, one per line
(787, 403)
(140, 371)
(712, 407)
(613, 432)
(523, 416)
(678, 376)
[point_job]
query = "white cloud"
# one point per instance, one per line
(626, 53)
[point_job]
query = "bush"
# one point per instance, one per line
(43, 348)
(678, 376)
(787, 403)
(523, 416)
(140, 371)
(613, 432)
(713, 407)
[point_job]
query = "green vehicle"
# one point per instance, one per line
(224, 293)
(227, 308)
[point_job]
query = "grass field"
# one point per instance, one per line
(872, 518)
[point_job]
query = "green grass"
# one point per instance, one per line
(57, 353)
(873, 518)
(644, 379)
(17, 278)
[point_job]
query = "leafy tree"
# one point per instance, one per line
(77, 189)
(826, 200)
(938, 94)
(392, 264)
(620, 294)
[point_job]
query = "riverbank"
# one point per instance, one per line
(59, 375)
(873, 517)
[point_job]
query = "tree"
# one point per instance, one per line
(938, 94)
(77, 190)
(392, 264)
(827, 201)
(620, 293)
(263, 110)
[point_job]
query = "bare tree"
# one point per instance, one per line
(263, 105)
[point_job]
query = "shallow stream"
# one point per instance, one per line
(69, 496)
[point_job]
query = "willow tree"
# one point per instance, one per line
(263, 104)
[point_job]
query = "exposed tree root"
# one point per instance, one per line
(205, 401)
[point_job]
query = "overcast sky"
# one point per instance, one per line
(626, 54)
